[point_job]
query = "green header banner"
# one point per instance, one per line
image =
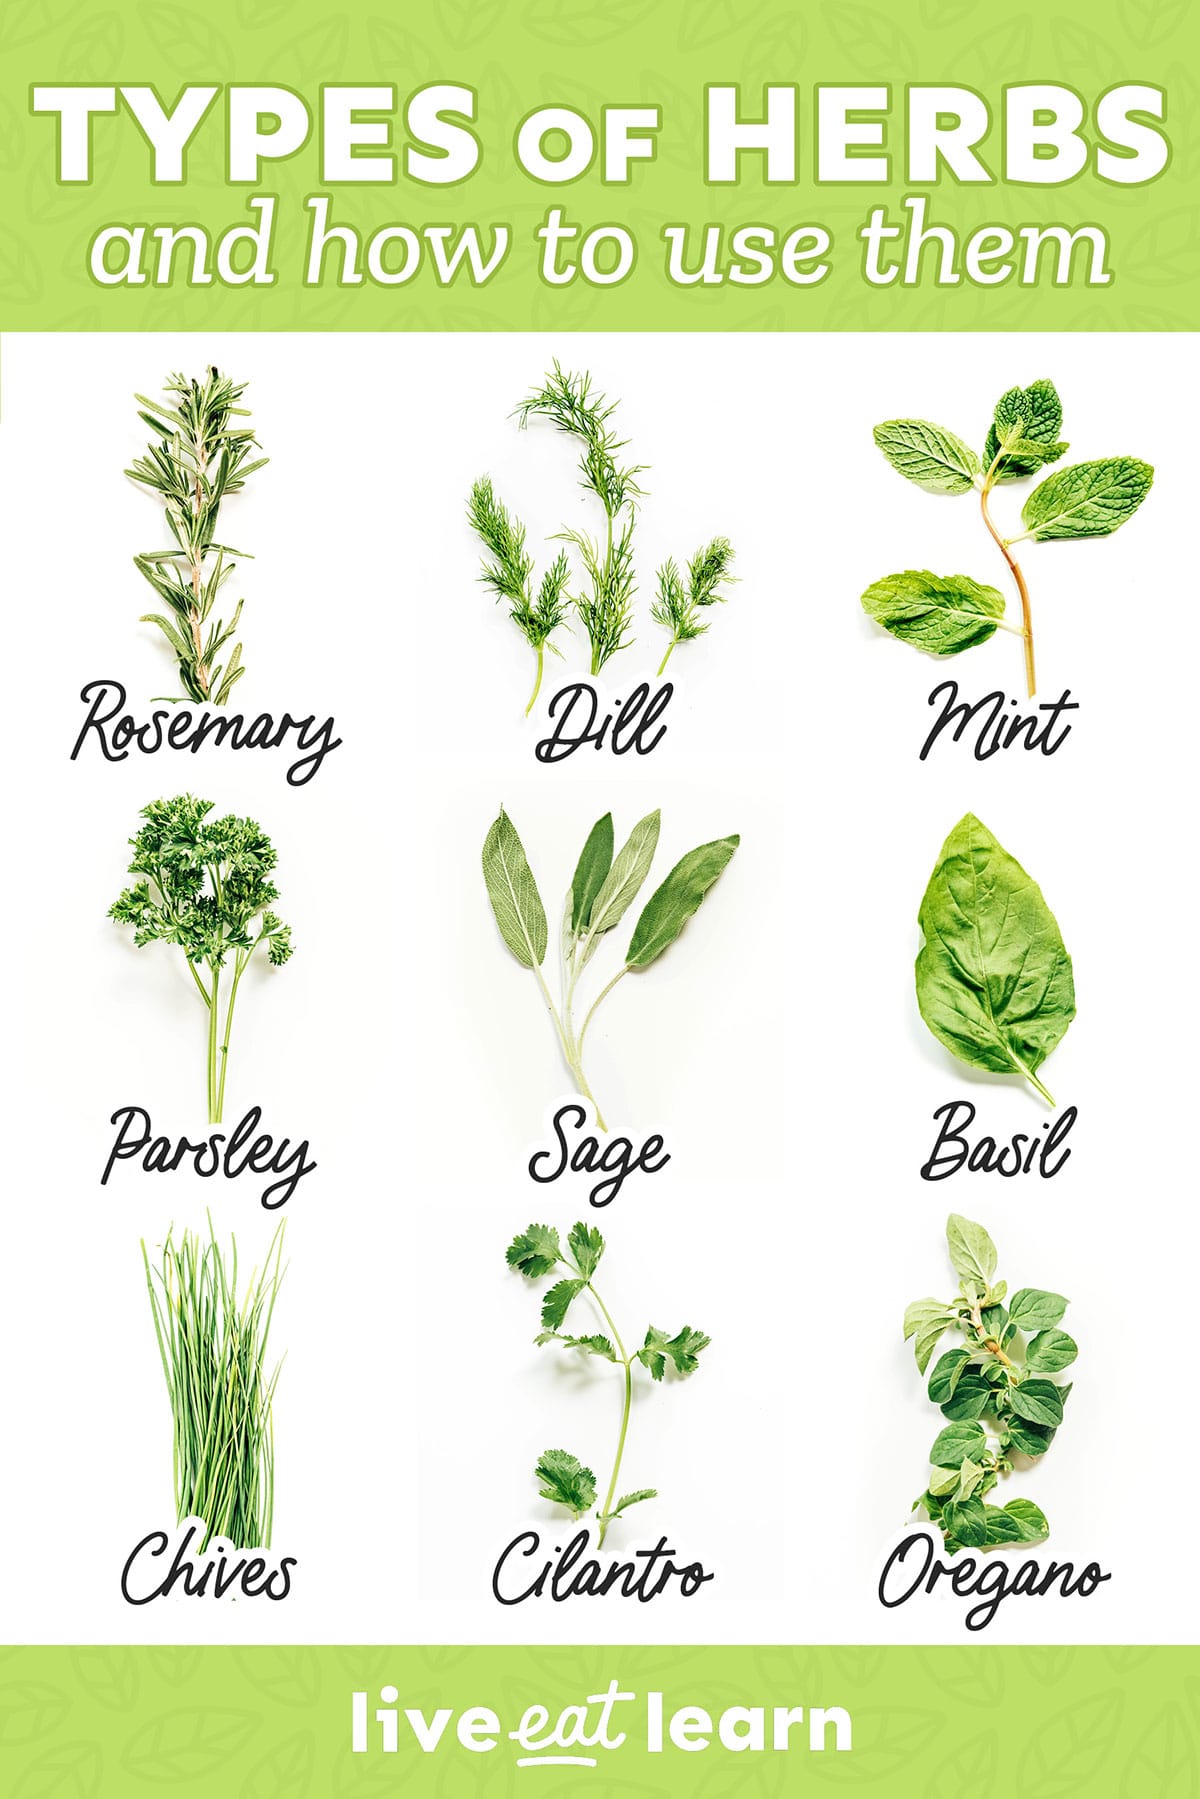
(343, 1723)
(599, 164)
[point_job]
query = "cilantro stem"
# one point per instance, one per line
(627, 1364)
(1015, 570)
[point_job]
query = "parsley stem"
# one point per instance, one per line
(1023, 591)
(240, 963)
(214, 1113)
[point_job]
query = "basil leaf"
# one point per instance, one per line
(1031, 1439)
(994, 981)
(511, 888)
(1038, 1400)
(956, 1444)
(620, 885)
(935, 459)
(942, 614)
(591, 871)
(1030, 1520)
(972, 1252)
(1034, 1310)
(1051, 1351)
(1034, 414)
(671, 905)
(1092, 499)
(966, 1520)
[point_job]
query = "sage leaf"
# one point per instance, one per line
(565, 1481)
(1051, 1351)
(620, 885)
(972, 1252)
(513, 893)
(994, 980)
(671, 905)
(1040, 1401)
(1091, 499)
(591, 871)
(1027, 423)
(926, 454)
(956, 1444)
(941, 614)
(1034, 1310)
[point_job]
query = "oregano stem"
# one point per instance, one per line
(1015, 570)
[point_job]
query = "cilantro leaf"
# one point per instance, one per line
(565, 1481)
(681, 1350)
(534, 1251)
(629, 1499)
(557, 1302)
(587, 1246)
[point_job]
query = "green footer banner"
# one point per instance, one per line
(260, 1722)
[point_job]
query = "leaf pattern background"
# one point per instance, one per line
(518, 54)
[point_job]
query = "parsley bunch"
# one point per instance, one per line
(995, 1391)
(206, 889)
(537, 1252)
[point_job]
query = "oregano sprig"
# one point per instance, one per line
(678, 605)
(199, 455)
(602, 890)
(945, 614)
(995, 1390)
(509, 574)
(537, 1252)
(569, 402)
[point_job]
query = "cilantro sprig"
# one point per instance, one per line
(205, 887)
(537, 1252)
(995, 1391)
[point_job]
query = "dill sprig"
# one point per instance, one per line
(199, 455)
(677, 606)
(569, 403)
(214, 1351)
(509, 574)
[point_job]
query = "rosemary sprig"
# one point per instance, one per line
(569, 403)
(199, 455)
(509, 571)
(676, 607)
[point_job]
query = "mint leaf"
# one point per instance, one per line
(587, 1246)
(557, 1301)
(1033, 1310)
(535, 1251)
(1027, 422)
(565, 1481)
(926, 454)
(1091, 499)
(941, 614)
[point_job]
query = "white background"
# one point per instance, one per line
(777, 1047)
